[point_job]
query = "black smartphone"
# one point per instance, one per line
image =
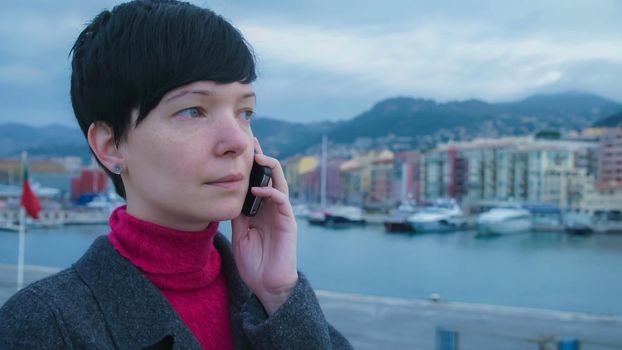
(260, 176)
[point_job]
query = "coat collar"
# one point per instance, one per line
(239, 293)
(135, 311)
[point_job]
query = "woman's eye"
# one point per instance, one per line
(192, 112)
(246, 115)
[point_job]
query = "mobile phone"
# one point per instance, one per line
(260, 176)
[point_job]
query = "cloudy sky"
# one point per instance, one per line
(328, 60)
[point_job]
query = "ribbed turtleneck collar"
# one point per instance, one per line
(172, 259)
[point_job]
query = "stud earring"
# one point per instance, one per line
(117, 169)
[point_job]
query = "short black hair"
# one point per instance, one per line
(127, 59)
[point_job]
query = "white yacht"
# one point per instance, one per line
(106, 201)
(504, 220)
(442, 217)
(607, 221)
(344, 215)
(397, 221)
(338, 215)
(95, 212)
(578, 222)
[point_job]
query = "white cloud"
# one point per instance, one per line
(443, 60)
(322, 59)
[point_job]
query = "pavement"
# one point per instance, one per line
(388, 323)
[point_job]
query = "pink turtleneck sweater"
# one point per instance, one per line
(185, 267)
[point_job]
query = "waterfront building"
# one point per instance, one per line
(490, 168)
(557, 171)
(610, 159)
(350, 171)
(54, 173)
(601, 199)
(472, 171)
(307, 184)
(407, 177)
(376, 175)
(520, 168)
(10, 169)
(333, 181)
(433, 175)
(303, 175)
(367, 180)
(605, 194)
(381, 182)
(291, 171)
(90, 182)
(72, 164)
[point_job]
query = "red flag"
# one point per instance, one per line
(30, 202)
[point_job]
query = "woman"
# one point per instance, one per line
(162, 91)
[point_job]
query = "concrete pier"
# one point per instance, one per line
(389, 323)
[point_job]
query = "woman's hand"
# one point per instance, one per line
(264, 246)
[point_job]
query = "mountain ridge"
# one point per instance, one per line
(614, 120)
(424, 121)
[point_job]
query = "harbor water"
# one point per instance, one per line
(541, 270)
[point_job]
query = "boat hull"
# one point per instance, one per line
(336, 220)
(505, 227)
(437, 225)
(397, 226)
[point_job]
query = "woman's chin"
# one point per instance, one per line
(224, 213)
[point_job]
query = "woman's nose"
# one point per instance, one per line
(231, 137)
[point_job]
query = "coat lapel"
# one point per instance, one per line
(135, 311)
(239, 293)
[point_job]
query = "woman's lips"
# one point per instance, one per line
(229, 182)
(229, 185)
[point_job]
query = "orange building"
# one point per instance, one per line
(91, 181)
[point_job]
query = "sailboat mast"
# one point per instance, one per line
(405, 177)
(324, 165)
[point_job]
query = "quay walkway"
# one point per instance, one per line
(388, 323)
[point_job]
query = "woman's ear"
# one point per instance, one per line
(101, 139)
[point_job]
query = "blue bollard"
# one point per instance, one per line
(446, 339)
(568, 344)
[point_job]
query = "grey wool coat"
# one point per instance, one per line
(104, 302)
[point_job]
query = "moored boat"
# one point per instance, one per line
(444, 216)
(95, 212)
(7, 226)
(316, 218)
(397, 226)
(545, 217)
(337, 216)
(609, 221)
(504, 220)
(397, 221)
(578, 223)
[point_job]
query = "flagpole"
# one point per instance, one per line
(22, 233)
(20, 254)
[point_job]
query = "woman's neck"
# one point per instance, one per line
(158, 249)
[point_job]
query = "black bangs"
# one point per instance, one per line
(182, 45)
(130, 57)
